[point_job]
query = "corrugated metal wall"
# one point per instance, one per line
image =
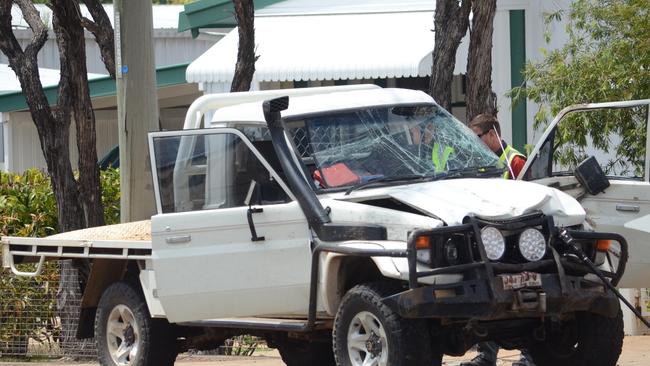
(24, 149)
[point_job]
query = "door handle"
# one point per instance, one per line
(251, 224)
(627, 208)
(178, 239)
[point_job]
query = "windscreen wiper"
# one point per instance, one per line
(478, 172)
(385, 179)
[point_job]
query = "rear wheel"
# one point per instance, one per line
(367, 332)
(125, 333)
(590, 339)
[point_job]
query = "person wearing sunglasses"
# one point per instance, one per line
(488, 130)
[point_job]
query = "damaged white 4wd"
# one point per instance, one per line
(348, 226)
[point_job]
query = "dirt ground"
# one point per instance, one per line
(636, 352)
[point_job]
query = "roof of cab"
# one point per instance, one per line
(252, 112)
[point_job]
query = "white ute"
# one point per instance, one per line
(346, 226)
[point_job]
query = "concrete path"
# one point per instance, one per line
(636, 352)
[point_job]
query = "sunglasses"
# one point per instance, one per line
(482, 134)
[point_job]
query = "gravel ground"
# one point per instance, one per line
(636, 352)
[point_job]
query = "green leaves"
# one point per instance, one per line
(607, 58)
(110, 181)
(27, 204)
(28, 305)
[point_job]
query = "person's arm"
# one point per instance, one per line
(517, 164)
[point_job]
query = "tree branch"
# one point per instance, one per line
(8, 43)
(102, 29)
(33, 18)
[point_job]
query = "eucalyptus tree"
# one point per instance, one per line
(78, 199)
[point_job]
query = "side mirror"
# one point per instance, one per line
(591, 176)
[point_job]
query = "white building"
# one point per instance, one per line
(19, 144)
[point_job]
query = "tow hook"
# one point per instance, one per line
(529, 300)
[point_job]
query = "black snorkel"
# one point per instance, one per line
(317, 216)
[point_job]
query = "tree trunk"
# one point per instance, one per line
(245, 67)
(75, 95)
(53, 129)
(72, 53)
(451, 21)
(480, 97)
(77, 205)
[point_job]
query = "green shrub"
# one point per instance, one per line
(110, 180)
(28, 305)
(27, 204)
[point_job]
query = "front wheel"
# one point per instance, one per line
(367, 332)
(590, 339)
(125, 333)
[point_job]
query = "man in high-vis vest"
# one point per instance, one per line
(487, 128)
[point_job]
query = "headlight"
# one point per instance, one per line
(424, 255)
(493, 242)
(532, 245)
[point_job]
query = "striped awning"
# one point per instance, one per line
(330, 47)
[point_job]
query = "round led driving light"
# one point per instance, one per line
(532, 245)
(493, 242)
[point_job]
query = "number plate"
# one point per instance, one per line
(521, 280)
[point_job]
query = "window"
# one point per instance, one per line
(212, 171)
(348, 147)
(619, 145)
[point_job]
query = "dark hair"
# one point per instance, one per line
(485, 122)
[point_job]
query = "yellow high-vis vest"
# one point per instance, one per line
(508, 154)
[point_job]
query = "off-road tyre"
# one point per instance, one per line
(152, 340)
(596, 341)
(305, 352)
(408, 341)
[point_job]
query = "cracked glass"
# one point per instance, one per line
(356, 146)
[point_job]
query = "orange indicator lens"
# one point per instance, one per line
(603, 245)
(422, 242)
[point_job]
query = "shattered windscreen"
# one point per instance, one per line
(380, 143)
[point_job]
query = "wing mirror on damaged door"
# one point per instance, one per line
(591, 176)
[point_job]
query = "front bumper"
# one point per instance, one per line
(564, 287)
(481, 300)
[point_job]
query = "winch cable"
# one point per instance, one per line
(575, 249)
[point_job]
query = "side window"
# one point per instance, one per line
(616, 137)
(211, 171)
(542, 166)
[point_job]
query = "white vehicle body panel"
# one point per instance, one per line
(453, 200)
(302, 105)
(221, 272)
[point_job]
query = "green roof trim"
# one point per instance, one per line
(100, 87)
(212, 14)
